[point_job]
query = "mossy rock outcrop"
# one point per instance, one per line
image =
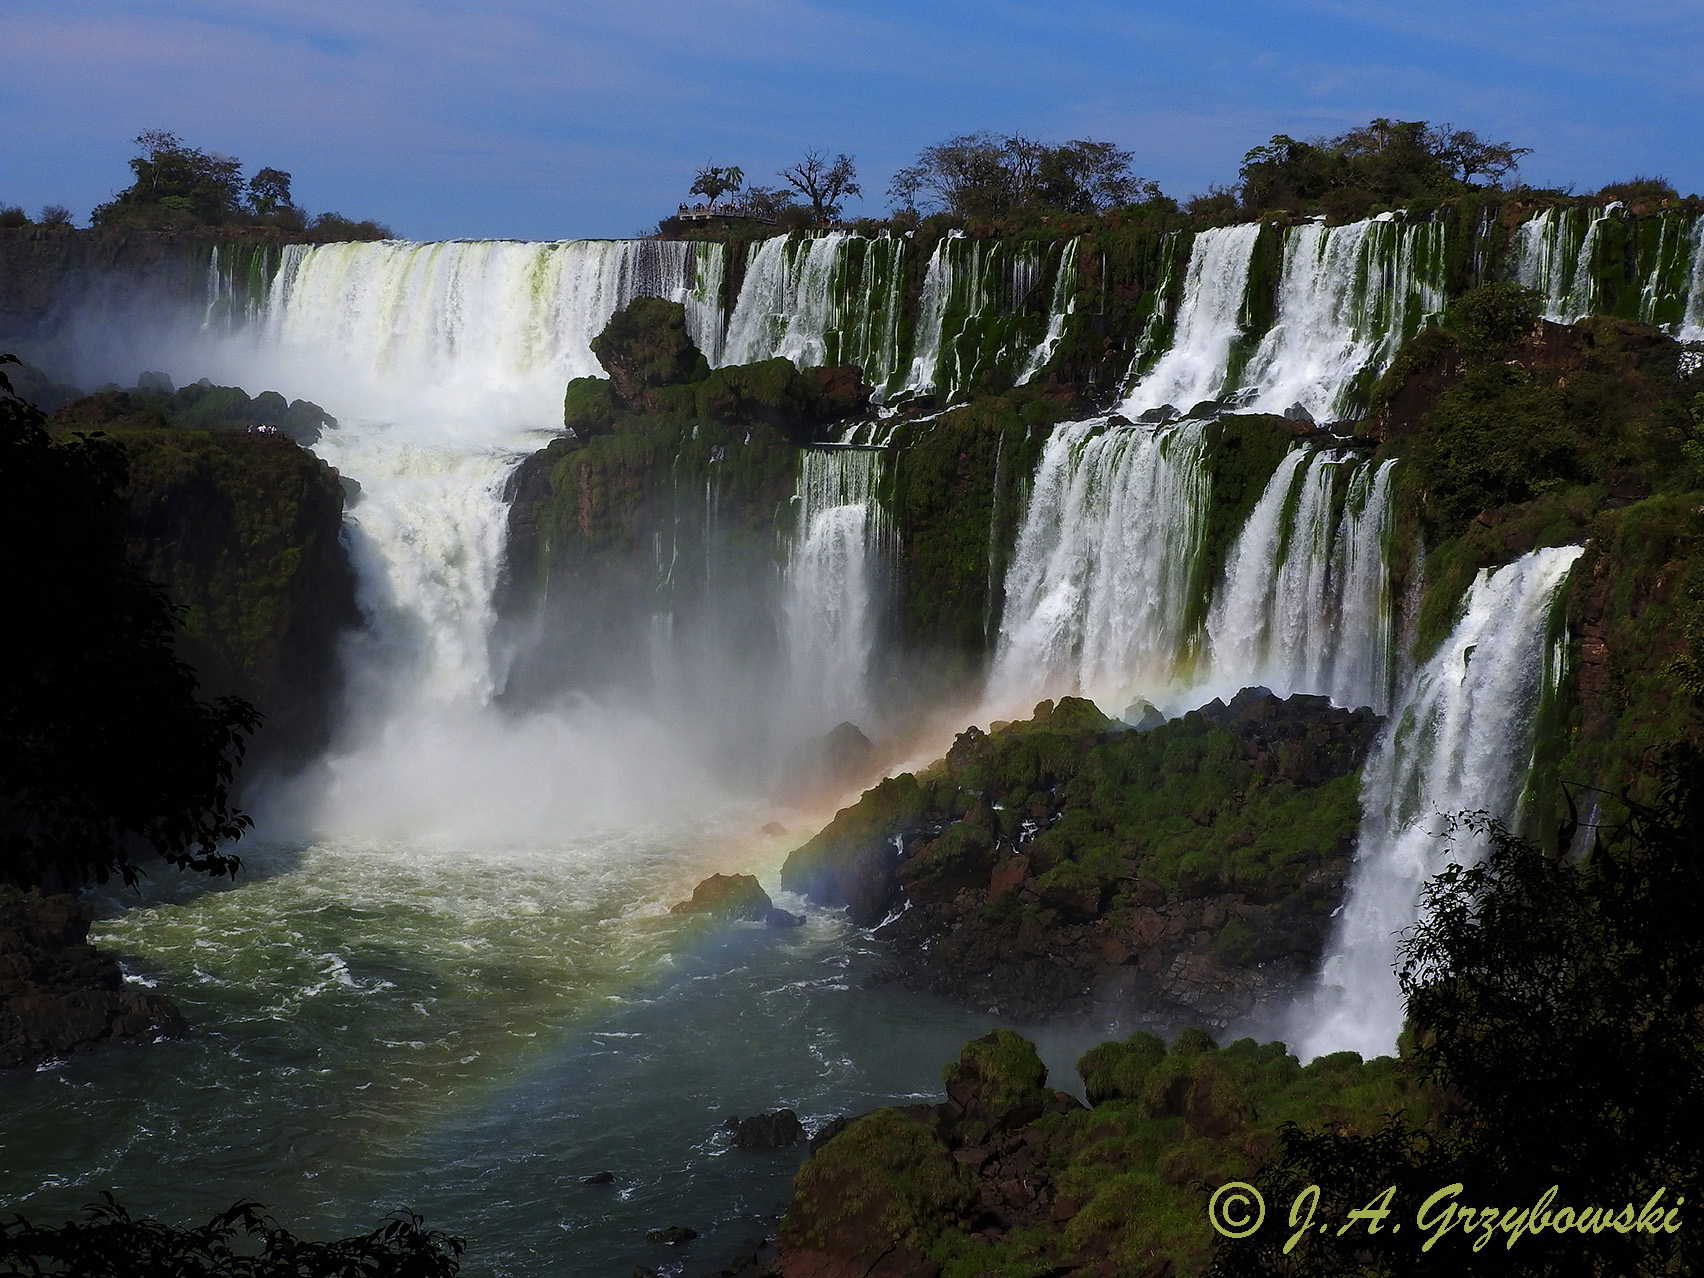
(1056, 861)
(1010, 1177)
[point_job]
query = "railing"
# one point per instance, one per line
(706, 212)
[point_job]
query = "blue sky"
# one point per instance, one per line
(531, 119)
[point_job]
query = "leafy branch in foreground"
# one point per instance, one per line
(239, 1242)
(1559, 1006)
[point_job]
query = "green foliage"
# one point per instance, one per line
(958, 492)
(1559, 1003)
(239, 1242)
(176, 184)
(1486, 321)
(998, 1077)
(1640, 190)
(645, 347)
(1127, 1179)
(981, 176)
(180, 187)
(885, 1179)
(588, 407)
(1384, 163)
(1498, 437)
(1242, 454)
(104, 745)
(1120, 1070)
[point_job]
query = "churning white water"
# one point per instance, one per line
(1460, 741)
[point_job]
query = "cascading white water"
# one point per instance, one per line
(1060, 309)
(828, 299)
(483, 332)
(1460, 741)
(1305, 603)
(834, 580)
(1554, 255)
(1098, 587)
(1692, 322)
(945, 279)
(445, 364)
(1209, 321)
(1349, 297)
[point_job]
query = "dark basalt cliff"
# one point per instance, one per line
(1056, 863)
(58, 993)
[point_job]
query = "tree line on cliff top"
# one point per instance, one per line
(990, 177)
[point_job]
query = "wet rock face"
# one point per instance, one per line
(1056, 864)
(730, 896)
(780, 1130)
(58, 993)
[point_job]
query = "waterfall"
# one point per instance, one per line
(445, 365)
(1555, 252)
(1461, 740)
(1060, 309)
(481, 330)
(834, 586)
(1210, 319)
(821, 300)
(1348, 298)
(1692, 321)
(950, 284)
(1305, 603)
(1098, 587)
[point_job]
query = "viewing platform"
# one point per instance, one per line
(709, 213)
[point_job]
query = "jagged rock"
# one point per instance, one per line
(780, 1130)
(729, 896)
(673, 1235)
(644, 348)
(783, 918)
(599, 1178)
(1298, 412)
(774, 827)
(829, 1130)
(1142, 715)
(58, 993)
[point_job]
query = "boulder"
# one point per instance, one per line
(780, 1130)
(729, 896)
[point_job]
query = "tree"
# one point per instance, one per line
(269, 191)
(106, 752)
(1089, 177)
(979, 175)
(714, 182)
(54, 215)
(176, 183)
(824, 184)
(1381, 162)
